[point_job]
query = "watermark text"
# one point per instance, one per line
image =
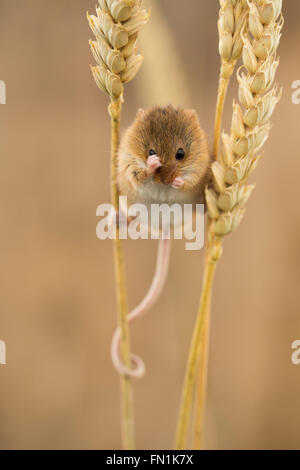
(2, 92)
(2, 353)
(295, 358)
(296, 93)
(155, 221)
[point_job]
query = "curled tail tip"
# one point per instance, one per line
(138, 368)
(136, 372)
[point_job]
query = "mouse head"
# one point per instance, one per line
(176, 137)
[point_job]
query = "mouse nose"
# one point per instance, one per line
(167, 173)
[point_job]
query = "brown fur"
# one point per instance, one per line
(165, 130)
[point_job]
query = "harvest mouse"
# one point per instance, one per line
(164, 158)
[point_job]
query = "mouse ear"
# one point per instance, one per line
(191, 113)
(140, 113)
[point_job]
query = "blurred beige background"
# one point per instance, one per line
(59, 390)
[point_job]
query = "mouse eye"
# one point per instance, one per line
(180, 154)
(152, 152)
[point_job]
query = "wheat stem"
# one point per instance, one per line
(225, 76)
(226, 72)
(127, 412)
(116, 26)
(201, 387)
(232, 19)
(227, 68)
(249, 131)
(193, 359)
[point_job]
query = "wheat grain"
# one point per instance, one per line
(232, 19)
(116, 28)
(250, 127)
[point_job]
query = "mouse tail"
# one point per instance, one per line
(158, 282)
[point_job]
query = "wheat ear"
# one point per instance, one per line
(232, 19)
(116, 28)
(226, 201)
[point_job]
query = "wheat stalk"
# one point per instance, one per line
(227, 199)
(116, 28)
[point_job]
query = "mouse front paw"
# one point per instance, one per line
(178, 183)
(153, 163)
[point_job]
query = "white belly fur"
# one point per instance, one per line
(155, 193)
